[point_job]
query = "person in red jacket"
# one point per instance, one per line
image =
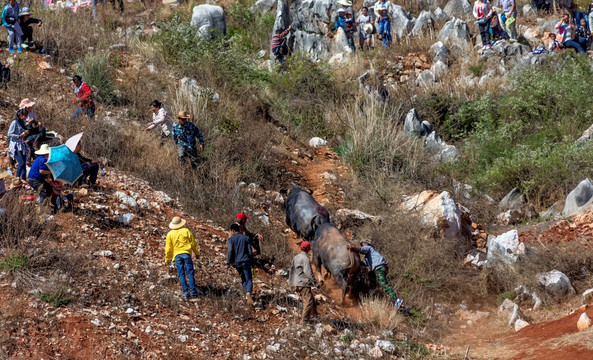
(84, 97)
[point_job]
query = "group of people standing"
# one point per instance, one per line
(18, 23)
(495, 27)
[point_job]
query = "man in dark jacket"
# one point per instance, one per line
(240, 255)
(185, 134)
(90, 168)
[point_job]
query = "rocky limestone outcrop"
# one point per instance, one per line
(458, 9)
(556, 284)
(511, 311)
(578, 199)
(439, 211)
(505, 247)
(424, 22)
(209, 19)
(456, 32)
(442, 151)
(263, 7)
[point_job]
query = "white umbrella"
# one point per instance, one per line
(73, 141)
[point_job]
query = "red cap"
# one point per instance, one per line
(241, 216)
(305, 246)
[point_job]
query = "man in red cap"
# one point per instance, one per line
(253, 238)
(301, 277)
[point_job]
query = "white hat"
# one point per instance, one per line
(43, 150)
(341, 10)
(368, 28)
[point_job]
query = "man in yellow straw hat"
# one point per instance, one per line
(180, 245)
(185, 134)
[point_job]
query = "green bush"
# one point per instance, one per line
(14, 263)
(96, 70)
(56, 298)
(525, 137)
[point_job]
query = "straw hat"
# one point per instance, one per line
(43, 150)
(176, 223)
(25, 103)
(368, 28)
(183, 115)
(16, 183)
(366, 241)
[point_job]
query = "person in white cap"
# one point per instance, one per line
(179, 247)
(35, 128)
(39, 173)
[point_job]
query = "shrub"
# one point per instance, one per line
(14, 263)
(56, 298)
(96, 71)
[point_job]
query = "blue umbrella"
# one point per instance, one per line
(64, 164)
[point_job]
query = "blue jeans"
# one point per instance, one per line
(21, 170)
(574, 45)
(244, 270)
(385, 31)
(90, 112)
(185, 266)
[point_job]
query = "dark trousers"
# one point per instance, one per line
(244, 270)
(484, 33)
(192, 154)
(5, 74)
(121, 4)
(42, 187)
(27, 34)
(89, 172)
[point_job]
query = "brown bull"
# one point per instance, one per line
(329, 250)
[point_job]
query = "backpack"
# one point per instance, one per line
(540, 50)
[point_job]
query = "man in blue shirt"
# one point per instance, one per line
(185, 134)
(240, 255)
(378, 265)
(38, 173)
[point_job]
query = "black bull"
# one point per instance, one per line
(304, 214)
(310, 221)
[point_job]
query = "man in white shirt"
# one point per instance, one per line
(161, 118)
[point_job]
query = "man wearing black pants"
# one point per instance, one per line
(25, 21)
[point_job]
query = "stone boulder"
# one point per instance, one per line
(424, 22)
(425, 79)
(458, 9)
(520, 324)
(505, 247)
(317, 142)
(209, 19)
(412, 125)
(533, 37)
(440, 15)
(456, 32)
(476, 259)
(509, 217)
(442, 151)
(587, 135)
(511, 311)
(347, 218)
(440, 212)
(262, 7)
(371, 83)
(514, 200)
(587, 296)
(439, 69)
(556, 284)
(440, 52)
(401, 23)
(578, 199)
(584, 322)
(194, 92)
(512, 53)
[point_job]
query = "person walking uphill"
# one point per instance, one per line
(279, 47)
(378, 265)
(240, 255)
(301, 277)
(10, 20)
(161, 118)
(185, 134)
(180, 245)
(84, 96)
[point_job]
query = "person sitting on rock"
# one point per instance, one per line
(185, 134)
(25, 21)
(302, 279)
(4, 73)
(583, 34)
(554, 44)
(90, 168)
(35, 128)
(567, 31)
(279, 46)
(179, 247)
(496, 31)
(39, 174)
(379, 266)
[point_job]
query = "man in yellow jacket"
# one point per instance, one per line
(180, 244)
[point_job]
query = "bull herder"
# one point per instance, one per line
(379, 266)
(301, 277)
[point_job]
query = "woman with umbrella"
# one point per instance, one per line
(17, 148)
